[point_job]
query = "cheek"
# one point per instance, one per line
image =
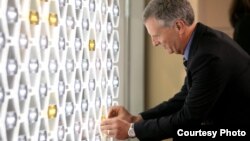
(170, 39)
(164, 40)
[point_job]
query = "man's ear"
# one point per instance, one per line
(179, 26)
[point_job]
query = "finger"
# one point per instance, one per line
(106, 125)
(106, 132)
(112, 114)
(110, 133)
(113, 111)
(106, 122)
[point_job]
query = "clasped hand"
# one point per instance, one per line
(118, 122)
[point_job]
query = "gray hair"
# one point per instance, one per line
(169, 10)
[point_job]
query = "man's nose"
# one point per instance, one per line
(155, 42)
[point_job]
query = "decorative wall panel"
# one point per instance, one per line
(59, 72)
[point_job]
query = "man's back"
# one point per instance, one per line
(220, 71)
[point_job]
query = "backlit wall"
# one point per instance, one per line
(58, 68)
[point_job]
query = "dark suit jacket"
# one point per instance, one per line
(216, 90)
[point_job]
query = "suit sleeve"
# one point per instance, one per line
(208, 80)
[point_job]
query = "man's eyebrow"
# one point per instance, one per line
(155, 35)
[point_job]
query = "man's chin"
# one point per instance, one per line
(169, 51)
(172, 51)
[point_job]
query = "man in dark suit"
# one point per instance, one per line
(216, 91)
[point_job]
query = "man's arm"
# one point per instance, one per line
(208, 81)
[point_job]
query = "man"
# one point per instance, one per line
(216, 90)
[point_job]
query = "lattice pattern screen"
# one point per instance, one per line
(59, 71)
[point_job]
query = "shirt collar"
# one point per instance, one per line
(187, 48)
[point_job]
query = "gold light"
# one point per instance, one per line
(44, 0)
(103, 116)
(53, 19)
(34, 17)
(52, 111)
(91, 45)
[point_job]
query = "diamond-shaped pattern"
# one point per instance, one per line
(59, 72)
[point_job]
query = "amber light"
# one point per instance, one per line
(53, 19)
(34, 17)
(91, 45)
(103, 116)
(52, 111)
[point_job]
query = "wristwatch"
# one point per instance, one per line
(131, 131)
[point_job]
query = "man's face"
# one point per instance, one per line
(167, 37)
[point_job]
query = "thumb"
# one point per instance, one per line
(112, 113)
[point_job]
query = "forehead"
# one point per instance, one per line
(153, 25)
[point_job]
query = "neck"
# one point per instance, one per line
(187, 35)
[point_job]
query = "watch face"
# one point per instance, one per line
(131, 131)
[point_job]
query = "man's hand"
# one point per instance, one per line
(115, 127)
(118, 122)
(122, 113)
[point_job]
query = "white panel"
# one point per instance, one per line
(59, 68)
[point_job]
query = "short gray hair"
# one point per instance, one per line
(169, 10)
